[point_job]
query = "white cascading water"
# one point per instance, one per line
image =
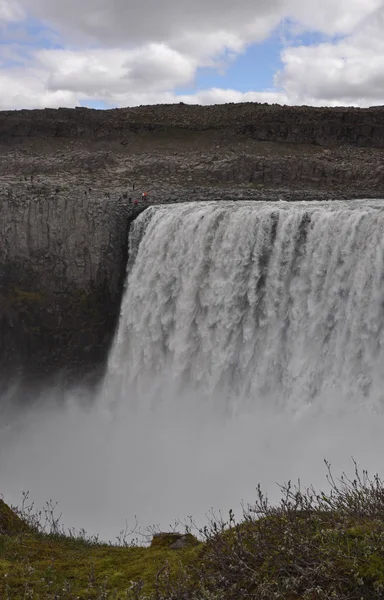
(245, 301)
(249, 348)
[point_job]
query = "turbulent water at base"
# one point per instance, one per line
(255, 302)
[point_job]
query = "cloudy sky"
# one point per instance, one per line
(106, 53)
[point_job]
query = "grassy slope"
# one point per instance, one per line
(298, 556)
(70, 568)
(309, 547)
(34, 565)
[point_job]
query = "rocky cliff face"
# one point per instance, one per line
(262, 122)
(68, 179)
(62, 266)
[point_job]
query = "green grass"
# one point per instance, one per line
(311, 546)
(45, 566)
(34, 565)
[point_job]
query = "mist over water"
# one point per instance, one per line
(249, 348)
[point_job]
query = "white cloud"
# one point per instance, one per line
(139, 51)
(107, 72)
(123, 22)
(333, 17)
(138, 21)
(10, 12)
(350, 71)
(32, 89)
(219, 96)
(28, 89)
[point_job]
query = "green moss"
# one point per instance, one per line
(3, 542)
(44, 564)
(20, 299)
(166, 540)
(373, 568)
(291, 554)
(86, 569)
(10, 523)
(28, 296)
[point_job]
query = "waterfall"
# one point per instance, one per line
(255, 301)
(249, 348)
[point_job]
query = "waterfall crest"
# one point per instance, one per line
(250, 301)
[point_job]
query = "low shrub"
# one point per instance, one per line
(310, 546)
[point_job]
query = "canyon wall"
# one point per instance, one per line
(62, 267)
(69, 179)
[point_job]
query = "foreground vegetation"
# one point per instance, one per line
(312, 546)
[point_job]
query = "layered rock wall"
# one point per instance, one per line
(283, 124)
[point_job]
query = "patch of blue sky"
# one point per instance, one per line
(19, 40)
(30, 33)
(98, 104)
(254, 69)
(292, 34)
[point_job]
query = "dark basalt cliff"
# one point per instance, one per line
(68, 179)
(62, 268)
(262, 122)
